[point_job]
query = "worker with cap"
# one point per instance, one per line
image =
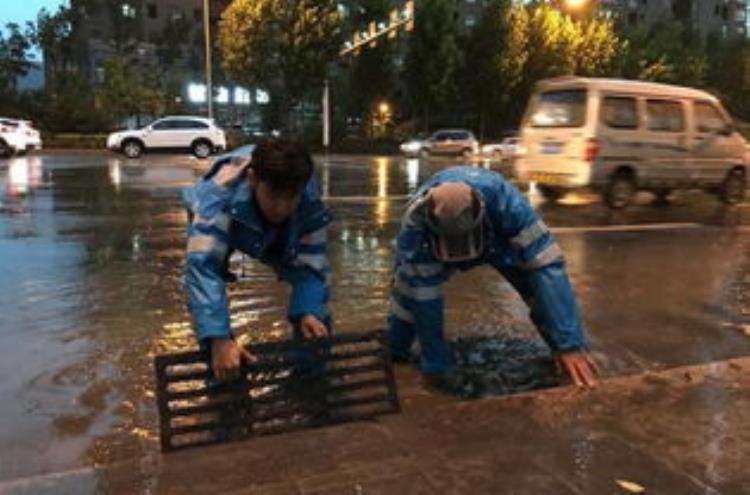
(464, 217)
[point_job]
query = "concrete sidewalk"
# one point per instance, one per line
(680, 431)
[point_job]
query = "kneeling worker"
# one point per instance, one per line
(267, 206)
(463, 217)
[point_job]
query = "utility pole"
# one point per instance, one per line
(209, 81)
(326, 116)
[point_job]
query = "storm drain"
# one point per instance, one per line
(499, 365)
(294, 384)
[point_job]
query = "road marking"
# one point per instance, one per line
(627, 228)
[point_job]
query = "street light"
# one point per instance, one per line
(207, 35)
(575, 4)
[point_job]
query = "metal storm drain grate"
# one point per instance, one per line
(294, 384)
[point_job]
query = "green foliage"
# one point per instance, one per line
(515, 46)
(664, 51)
(15, 56)
(434, 58)
(281, 45)
(372, 75)
(728, 73)
(127, 91)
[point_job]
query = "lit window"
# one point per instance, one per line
(197, 93)
(222, 95)
(261, 96)
(128, 10)
(241, 96)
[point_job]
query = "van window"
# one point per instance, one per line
(564, 108)
(620, 112)
(708, 118)
(665, 116)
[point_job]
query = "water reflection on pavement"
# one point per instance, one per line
(92, 249)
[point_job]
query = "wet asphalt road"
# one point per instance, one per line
(92, 246)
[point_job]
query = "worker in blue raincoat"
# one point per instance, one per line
(267, 205)
(463, 217)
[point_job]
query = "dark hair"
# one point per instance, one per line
(285, 166)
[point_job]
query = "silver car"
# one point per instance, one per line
(451, 142)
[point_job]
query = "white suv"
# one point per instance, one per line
(199, 135)
(18, 136)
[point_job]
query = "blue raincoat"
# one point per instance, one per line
(517, 243)
(226, 218)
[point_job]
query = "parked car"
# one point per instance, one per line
(509, 149)
(618, 137)
(198, 135)
(18, 136)
(451, 142)
(413, 147)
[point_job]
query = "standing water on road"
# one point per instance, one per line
(92, 249)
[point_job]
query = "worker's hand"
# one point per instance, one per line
(312, 327)
(579, 366)
(226, 358)
(232, 170)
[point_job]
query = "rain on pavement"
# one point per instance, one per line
(92, 249)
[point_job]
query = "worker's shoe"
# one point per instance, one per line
(448, 382)
(409, 358)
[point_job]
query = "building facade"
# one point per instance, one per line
(723, 17)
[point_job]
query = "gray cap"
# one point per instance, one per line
(452, 211)
(454, 217)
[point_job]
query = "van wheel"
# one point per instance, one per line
(551, 194)
(620, 191)
(733, 188)
(466, 154)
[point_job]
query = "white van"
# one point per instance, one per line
(618, 136)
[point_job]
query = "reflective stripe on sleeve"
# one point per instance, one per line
(220, 221)
(315, 237)
(401, 312)
(417, 293)
(423, 270)
(528, 235)
(549, 255)
(315, 261)
(201, 243)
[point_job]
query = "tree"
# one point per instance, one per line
(283, 46)
(495, 62)
(514, 46)
(126, 92)
(15, 56)
(665, 51)
(372, 75)
(728, 73)
(433, 57)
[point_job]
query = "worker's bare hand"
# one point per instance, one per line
(580, 367)
(312, 327)
(226, 358)
(232, 170)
